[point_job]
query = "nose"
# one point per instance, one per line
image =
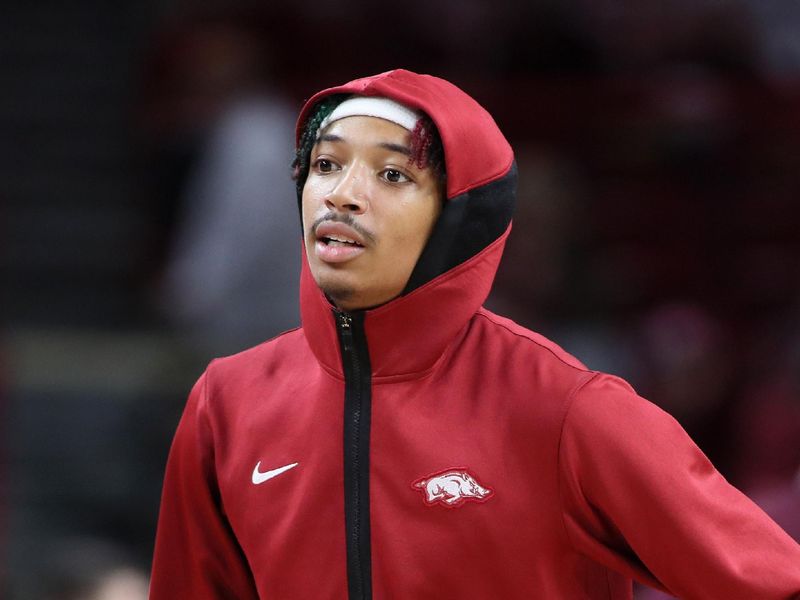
(350, 193)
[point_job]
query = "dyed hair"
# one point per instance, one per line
(426, 145)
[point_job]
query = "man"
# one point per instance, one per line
(407, 443)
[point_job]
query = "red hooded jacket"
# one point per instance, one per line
(431, 449)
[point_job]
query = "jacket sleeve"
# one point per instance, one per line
(196, 553)
(641, 498)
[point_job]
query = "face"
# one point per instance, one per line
(367, 213)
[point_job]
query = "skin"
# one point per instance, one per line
(361, 187)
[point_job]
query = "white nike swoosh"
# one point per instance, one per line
(262, 477)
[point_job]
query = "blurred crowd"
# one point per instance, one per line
(658, 147)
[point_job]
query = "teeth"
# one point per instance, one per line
(340, 240)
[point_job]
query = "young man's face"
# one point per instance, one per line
(367, 213)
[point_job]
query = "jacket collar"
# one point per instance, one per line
(407, 336)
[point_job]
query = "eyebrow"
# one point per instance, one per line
(396, 148)
(330, 137)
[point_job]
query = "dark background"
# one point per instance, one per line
(656, 237)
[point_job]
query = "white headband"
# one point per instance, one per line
(372, 106)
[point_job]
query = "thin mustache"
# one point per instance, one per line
(348, 220)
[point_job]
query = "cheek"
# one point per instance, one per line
(413, 225)
(308, 208)
(433, 212)
(422, 219)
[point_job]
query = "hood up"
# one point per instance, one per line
(455, 271)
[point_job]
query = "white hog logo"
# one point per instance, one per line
(452, 488)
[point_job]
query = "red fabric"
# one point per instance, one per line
(590, 484)
(640, 497)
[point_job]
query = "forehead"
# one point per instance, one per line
(363, 130)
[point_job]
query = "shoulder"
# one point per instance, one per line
(525, 360)
(509, 333)
(594, 401)
(235, 386)
(606, 412)
(264, 358)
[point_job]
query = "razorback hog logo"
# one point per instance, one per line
(452, 488)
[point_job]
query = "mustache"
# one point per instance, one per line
(346, 219)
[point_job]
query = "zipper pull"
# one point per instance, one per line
(345, 320)
(345, 324)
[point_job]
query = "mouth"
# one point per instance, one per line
(336, 233)
(338, 240)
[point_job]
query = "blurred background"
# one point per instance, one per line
(148, 224)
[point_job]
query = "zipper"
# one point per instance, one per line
(357, 416)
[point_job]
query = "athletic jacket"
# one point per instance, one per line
(429, 449)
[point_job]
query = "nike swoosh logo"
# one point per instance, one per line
(262, 477)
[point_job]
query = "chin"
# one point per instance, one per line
(342, 297)
(344, 294)
(337, 291)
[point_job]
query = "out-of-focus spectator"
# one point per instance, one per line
(533, 270)
(776, 23)
(767, 427)
(767, 419)
(198, 64)
(782, 503)
(232, 275)
(686, 360)
(647, 35)
(232, 254)
(122, 584)
(91, 569)
(688, 370)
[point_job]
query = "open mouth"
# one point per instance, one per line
(335, 240)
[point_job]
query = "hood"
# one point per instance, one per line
(454, 273)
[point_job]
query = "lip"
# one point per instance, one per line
(337, 253)
(335, 228)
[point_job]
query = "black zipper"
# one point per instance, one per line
(357, 414)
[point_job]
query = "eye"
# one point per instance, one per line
(324, 165)
(394, 176)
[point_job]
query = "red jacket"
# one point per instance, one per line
(431, 449)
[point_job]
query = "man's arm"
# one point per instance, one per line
(642, 499)
(196, 553)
